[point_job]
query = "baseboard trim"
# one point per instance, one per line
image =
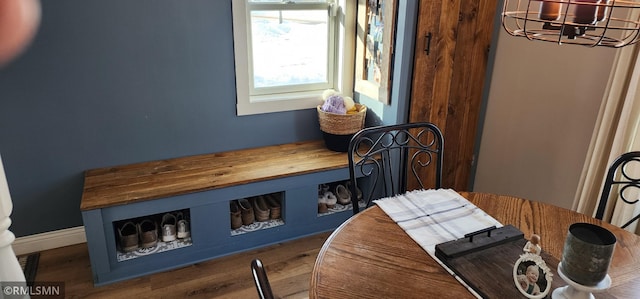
(49, 240)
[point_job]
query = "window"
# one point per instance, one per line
(288, 52)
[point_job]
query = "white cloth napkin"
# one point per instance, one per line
(431, 217)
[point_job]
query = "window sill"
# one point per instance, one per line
(280, 102)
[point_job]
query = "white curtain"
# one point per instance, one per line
(615, 133)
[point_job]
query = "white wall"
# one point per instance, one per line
(543, 102)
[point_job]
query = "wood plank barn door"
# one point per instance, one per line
(453, 39)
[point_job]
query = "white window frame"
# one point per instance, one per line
(343, 65)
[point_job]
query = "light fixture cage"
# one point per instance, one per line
(608, 23)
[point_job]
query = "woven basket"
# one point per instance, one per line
(342, 124)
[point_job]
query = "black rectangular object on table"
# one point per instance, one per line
(486, 261)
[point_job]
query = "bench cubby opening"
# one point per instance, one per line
(138, 227)
(342, 198)
(273, 203)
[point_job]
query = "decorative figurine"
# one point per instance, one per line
(533, 245)
(531, 275)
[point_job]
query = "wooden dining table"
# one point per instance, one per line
(370, 256)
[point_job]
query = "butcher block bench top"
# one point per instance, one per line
(125, 184)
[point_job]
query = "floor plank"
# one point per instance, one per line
(288, 265)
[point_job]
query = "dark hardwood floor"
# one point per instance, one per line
(288, 265)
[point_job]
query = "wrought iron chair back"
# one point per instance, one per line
(261, 280)
(395, 159)
(619, 177)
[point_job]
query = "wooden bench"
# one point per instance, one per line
(202, 186)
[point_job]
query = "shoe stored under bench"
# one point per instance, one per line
(202, 187)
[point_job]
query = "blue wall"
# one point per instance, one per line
(115, 82)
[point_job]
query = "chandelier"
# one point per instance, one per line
(608, 23)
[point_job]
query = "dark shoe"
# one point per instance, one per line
(148, 231)
(274, 206)
(246, 210)
(260, 208)
(168, 227)
(236, 218)
(128, 235)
